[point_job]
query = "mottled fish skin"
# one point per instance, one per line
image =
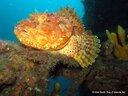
(59, 32)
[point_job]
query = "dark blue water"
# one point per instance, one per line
(64, 82)
(13, 11)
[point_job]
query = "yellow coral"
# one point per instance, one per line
(121, 48)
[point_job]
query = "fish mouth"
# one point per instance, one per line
(19, 29)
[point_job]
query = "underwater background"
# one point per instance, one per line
(15, 10)
(97, 17)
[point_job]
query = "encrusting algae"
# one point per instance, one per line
(59, 32)
(121, 47)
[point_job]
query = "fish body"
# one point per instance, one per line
(59, 32)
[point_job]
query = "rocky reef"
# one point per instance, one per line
(107, 78)
(26, 71)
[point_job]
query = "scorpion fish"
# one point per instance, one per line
(60, 32)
